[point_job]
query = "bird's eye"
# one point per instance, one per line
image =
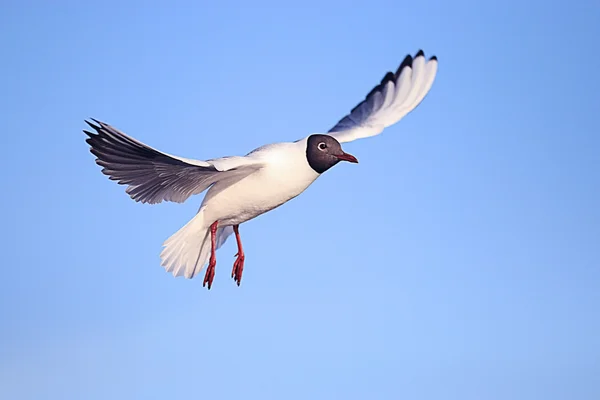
(322, 146)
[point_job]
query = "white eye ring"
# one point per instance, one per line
(322, 146)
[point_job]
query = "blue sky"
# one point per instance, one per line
(458, 260)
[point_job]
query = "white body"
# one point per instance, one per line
(284, 176)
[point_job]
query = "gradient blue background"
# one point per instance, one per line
(458, 260)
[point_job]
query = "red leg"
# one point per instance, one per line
(238, 265)
(210, 271)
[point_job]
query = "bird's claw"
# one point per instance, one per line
(238, 268)
(210, 274)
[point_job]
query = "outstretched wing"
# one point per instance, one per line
(398, 94)
(153, 176)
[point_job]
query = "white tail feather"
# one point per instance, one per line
(187, 251)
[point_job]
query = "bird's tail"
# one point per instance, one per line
(187, 251)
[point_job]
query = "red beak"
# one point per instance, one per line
(347, 157)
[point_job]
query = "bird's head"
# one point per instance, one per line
(324, 151)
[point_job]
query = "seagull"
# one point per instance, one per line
(241, 188)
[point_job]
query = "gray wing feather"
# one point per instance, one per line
(151, 176)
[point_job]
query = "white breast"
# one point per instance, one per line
(286, 174)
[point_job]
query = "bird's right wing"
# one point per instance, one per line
(153, 176)
(398, 94)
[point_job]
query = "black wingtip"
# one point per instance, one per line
(433, 58)
(388, 77)
(90, 134)
(407, 62)
(420, 53)
(94, 127)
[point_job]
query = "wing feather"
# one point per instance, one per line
(152, 176)
(387, 103)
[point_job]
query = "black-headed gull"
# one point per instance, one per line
(242, 188)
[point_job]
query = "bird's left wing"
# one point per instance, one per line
(398, 94)
(153, 176)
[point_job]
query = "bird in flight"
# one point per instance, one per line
(241, 188)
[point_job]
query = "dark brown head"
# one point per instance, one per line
(324, 151)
